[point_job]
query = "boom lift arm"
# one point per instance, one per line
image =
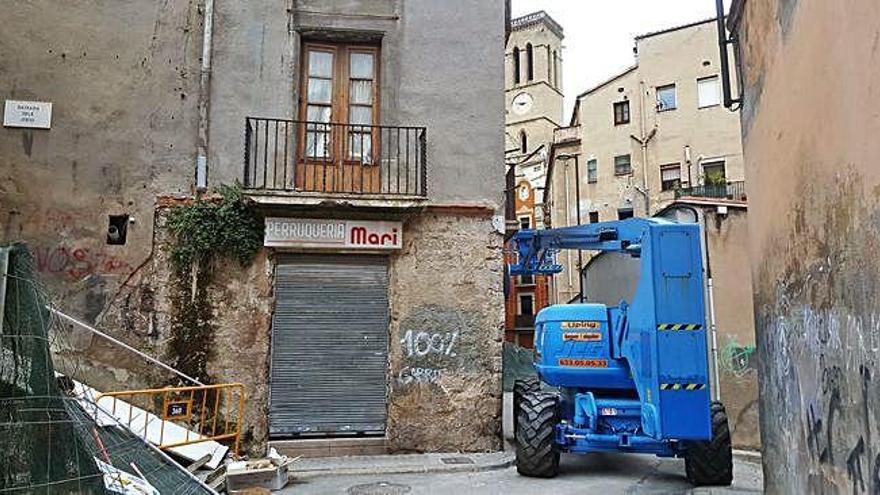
(536, 249)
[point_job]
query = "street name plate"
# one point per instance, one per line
(31, 114)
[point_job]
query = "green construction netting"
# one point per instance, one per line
(49, 443)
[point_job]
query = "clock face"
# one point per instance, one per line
(521, 103)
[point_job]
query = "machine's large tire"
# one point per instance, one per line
(536, 451)
(711, 463)
(520, 387)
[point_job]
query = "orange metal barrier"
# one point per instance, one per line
(206, 412)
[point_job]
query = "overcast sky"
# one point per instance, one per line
(599, 33)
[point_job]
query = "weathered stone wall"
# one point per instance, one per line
(148, 309)
(447, 314)
(123, 80)
(810, 126)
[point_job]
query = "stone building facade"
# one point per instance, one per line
(809, 74)
(384, 208)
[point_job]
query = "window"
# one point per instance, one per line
(622, 165)
(555, 69)
(340, 87)
(708, 92)
(621, 113)
(594, 216)
(525, 223)
(526, 280)
(666, 98)
(526, 304)
(624, 213)
(592, 171)
(670, 177)
(530, 62)
(516, 65)
(714, 174)
(523, 142)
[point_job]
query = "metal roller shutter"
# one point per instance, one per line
(329, 345)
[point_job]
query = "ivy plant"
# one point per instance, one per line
(228, 227)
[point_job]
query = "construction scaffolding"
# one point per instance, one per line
(51, 438)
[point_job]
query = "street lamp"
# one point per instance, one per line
(577, 196)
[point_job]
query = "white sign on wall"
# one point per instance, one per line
(32, 114)
(332, 233)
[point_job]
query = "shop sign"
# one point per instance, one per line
(332, 234)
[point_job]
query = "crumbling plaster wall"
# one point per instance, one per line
(123, 79)
(447, 314)
(239, 299)
(810, 71)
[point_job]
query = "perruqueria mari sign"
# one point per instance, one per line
(332, 234)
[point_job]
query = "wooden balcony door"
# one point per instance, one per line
(339, 143)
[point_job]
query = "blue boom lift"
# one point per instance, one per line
(628, 378)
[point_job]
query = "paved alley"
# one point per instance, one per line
(598, 473)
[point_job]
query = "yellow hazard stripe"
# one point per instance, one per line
(679, 326)
(682, 386)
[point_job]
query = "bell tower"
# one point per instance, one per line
(533, 81)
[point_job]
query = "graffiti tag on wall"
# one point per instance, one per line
(77, 263)
(418, 345)
(737, 359)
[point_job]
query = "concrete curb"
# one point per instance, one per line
(750, 455)
(400, 464)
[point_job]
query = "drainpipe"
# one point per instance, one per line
(204, 99)
(643, 141)
(568, 224)
(729, 101)
(716, 387)
(4, 269)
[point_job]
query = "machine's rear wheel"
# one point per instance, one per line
(536, 451)
(711, 463)
(520, 387)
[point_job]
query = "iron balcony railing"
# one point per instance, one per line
(732, 190)
(301, 156)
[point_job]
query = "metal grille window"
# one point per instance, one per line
(670, 177)
(621, 113)
(666, 98)
(622, 165)
(592, 171)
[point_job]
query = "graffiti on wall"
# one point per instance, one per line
(838, 412)
(737, 359)
(431, 346)
(421, 344)
(76, 263)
